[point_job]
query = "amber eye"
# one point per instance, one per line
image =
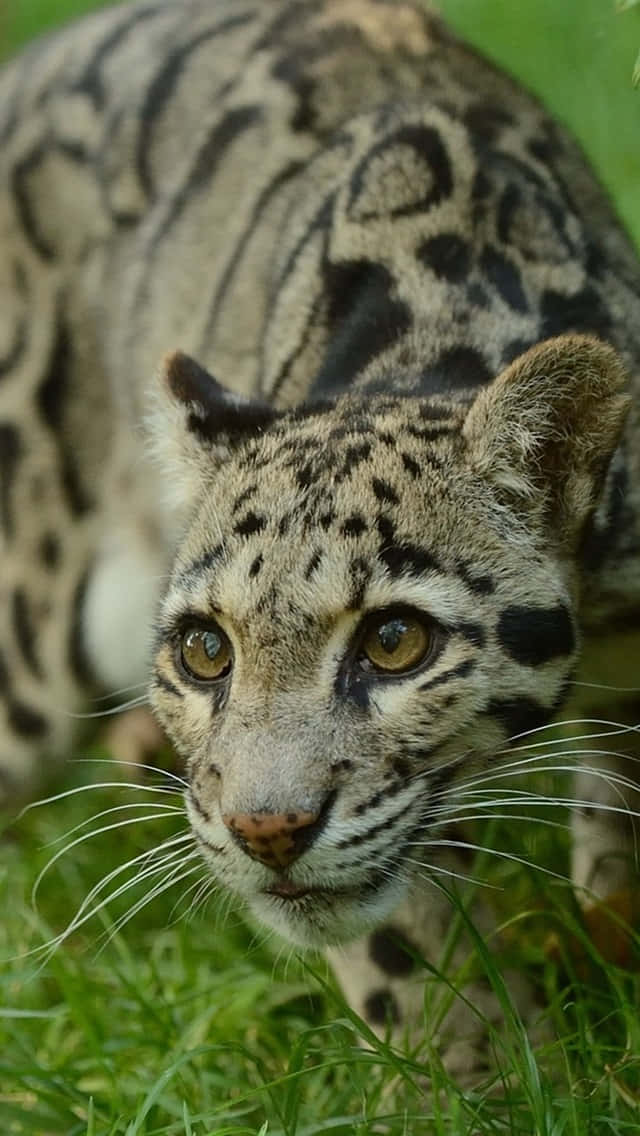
(395, 643)
(206, 653)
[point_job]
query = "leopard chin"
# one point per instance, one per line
(317, 918)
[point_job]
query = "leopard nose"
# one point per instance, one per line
(275, 839)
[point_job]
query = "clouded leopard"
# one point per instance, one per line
(369, 552)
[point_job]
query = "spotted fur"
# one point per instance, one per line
(425, 323)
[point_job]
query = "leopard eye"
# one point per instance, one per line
(395, 643)
(205, 653)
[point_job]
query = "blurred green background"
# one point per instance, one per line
(577, 54)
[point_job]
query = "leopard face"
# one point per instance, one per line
(326, 538)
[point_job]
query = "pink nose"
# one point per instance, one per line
(270, 838)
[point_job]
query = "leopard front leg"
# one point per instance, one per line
(606, 817)
(419, 980)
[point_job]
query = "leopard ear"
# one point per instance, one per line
(195, 424)
(544, 431)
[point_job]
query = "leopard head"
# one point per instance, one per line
(368, 598)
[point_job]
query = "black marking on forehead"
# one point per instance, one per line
(412, 466)
(407, 558)
(392, 951)
(354, 525)
(327, 519)
(473, 632)
(204, 563)
(250, 524)
(359, 574)
(353, 457)
(256, 566)
(534, 635)
(10, 453)
(481, 585)
(313, 563)
(384, 491)
(243, 497)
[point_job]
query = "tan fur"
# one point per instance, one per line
(424, 324)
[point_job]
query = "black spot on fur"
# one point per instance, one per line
(25, 632)
(364, 319)
(160, 91)
(458, 368)
(513, 349)
(407, 558)
(354, 525)
(460, 671)
(518, 715)
(411, 465)
(78, 656)
(481, 585)
(359, 575)
(243, 498)
(386, 529)
(52, 396)
(165, 684)
(535, 635)
(204, 563)
(380, 1008)
(326, 520)
(26, 721)
(256, 566)
(10, 452)
(447, 255)
(249, 525)
(392, 951)
(505, 278)
(313, 564)
(473, 632)
(584, 311)
(486, 121)
(384, 491)
(429, 146)
(50, 551)
(354, 456)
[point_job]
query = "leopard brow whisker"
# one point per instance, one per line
(607, 686)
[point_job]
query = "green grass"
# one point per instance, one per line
(192, 1024)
